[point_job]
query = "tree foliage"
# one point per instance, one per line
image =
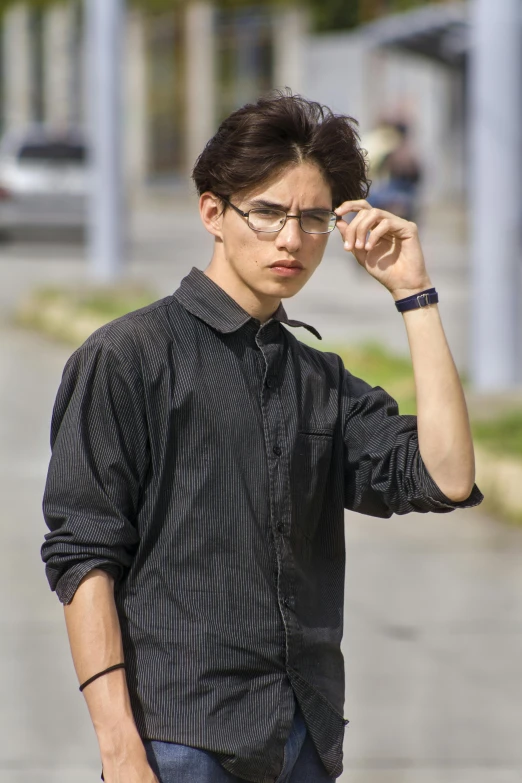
(326, 15)
(149, 5)
(5, 4)
(332, 15)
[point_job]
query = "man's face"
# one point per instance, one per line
(258, 259)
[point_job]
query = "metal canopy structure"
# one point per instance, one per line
(484, 40)
(440, 32)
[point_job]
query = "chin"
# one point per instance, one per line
(285, 286)
(283, 289)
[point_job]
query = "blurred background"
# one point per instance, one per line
(104, 108)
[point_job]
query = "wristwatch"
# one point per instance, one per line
(422, 299)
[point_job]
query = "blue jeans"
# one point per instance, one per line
(181, 764)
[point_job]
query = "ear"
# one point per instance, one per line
(211, 209)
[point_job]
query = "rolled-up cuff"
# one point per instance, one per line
(69, 581)
(439, 499)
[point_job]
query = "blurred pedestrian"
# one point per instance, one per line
(395, 170)
(203, 458)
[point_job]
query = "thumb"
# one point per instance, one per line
(343, 228)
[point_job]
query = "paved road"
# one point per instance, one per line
(433, 638)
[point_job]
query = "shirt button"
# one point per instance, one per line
(280, 527)
(288, 602)
(271, 382)
(277, 451)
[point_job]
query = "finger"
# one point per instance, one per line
(343, 228)
(347, 230)
(355, 235)
(352, 206)
(367, 222)
(382, 229)
(400, 228)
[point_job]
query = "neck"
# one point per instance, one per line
(255, 304)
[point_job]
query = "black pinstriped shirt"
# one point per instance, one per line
(205, 461)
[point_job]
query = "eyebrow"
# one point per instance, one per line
(273, 205)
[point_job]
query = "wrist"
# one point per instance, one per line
(119, 741)
(403, 293)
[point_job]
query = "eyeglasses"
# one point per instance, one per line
(266, 220)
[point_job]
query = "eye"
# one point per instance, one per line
(267, 213)
(317, 217)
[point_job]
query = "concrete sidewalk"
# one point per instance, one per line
(433, 638)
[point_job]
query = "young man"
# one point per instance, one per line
(203, 458)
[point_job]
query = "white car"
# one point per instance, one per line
(43, 180)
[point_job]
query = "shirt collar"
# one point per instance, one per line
(202, 297)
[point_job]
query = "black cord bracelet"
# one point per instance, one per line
(105, 671)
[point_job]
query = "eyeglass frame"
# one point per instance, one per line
(296, 217)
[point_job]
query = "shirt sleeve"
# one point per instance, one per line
(100, 456)
(384, 470)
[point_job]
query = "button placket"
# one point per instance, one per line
(274, 428)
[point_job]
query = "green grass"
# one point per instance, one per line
(108, 303)
(502, 435)
(71, 315)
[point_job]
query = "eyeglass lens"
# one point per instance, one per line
(312, 221)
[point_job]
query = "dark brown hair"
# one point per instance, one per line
(258, 141)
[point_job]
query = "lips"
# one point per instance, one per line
(285, 268)
(287, 264)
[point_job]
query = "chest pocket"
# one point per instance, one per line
(311, 462)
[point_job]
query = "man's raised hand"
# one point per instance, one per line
(387, 246)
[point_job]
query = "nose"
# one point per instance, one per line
(290, 236)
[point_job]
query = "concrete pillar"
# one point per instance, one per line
(200, 77)
(59, 66)
(496, 194)
(104, 76)
(290, 37)
(16, 67)
(77, 98)
(136, 120)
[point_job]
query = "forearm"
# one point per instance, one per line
(95, 639)
(389, 249)
(445, 439)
